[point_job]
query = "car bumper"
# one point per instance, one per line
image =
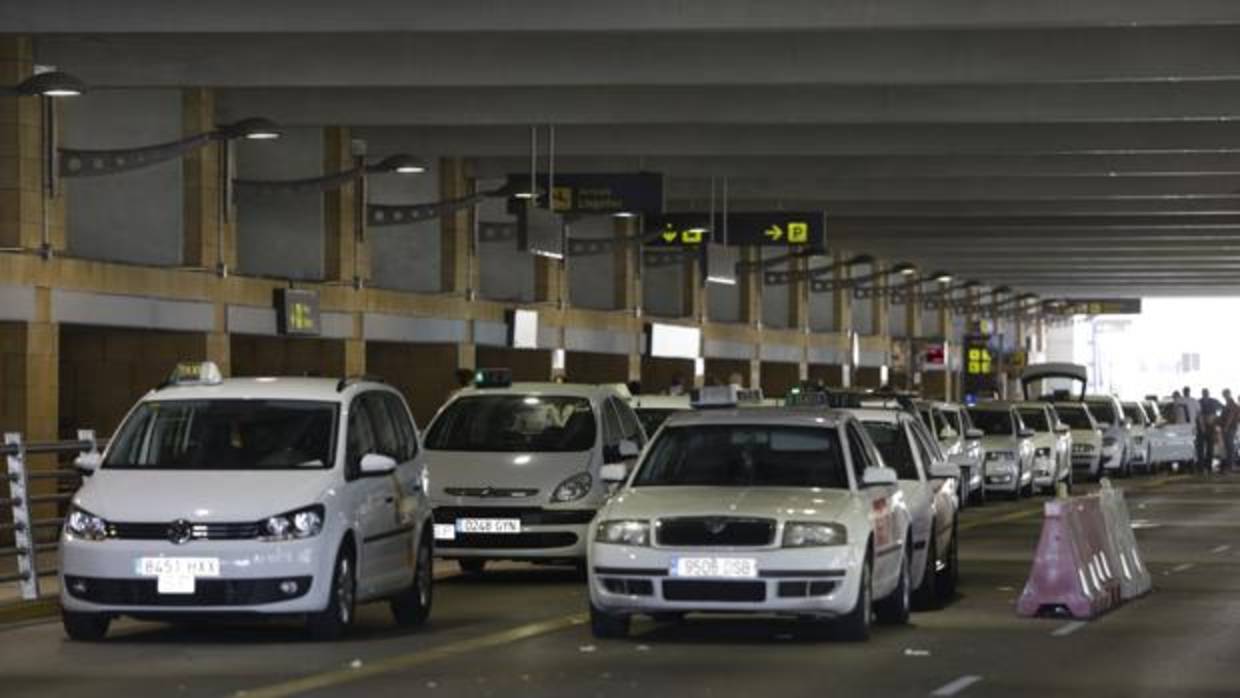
(1114, 461)
(546, 534)
(626, 580)
(1007, 482)
(101, 577)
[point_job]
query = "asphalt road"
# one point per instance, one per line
(520, 632)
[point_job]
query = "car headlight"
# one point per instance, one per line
(804, 534)
(294, 525)
(1000, 455)
(623, 533)
(1110, 444)
(1042, 453)
(573, 488)
(85, 525)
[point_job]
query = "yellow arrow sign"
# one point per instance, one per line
(670, 235)
(774, 232)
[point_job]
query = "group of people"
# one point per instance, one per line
(1215, 422)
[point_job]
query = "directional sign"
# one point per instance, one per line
(632, 192)
(297, 312)
(1101, 306)
(678, 230)
(777, 229)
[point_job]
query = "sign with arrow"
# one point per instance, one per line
(678, 230)
(777, 229)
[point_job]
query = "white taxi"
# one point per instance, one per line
(275, 496)
(771, 511)
(517, 468)
(929, 484)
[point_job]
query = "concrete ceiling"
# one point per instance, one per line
(1061, 147)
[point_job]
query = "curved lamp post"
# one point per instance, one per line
(81, 162)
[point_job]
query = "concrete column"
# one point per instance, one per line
(210, 233)
(953, 346)
(458, 266)
(355, 349)
(29, 218)
(627, 283)
(751, 288)
(345, 258)
(693, 295)
(218, 347)
(30, 386)
(881, 306)
(842, 298)
(798, 296)
(549, 281)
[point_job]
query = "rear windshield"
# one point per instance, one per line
(512, 423)
(226, 435)
(1076, 417)
(1035, 419)
(744, 456)
(992, 422)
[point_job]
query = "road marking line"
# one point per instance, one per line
(956, 686)
(1221, 549)
(1014, 516)
(401, 662)
(1069, 628)
(1182, 568)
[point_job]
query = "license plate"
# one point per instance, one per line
(177, 575)
(488, 526)
(715, 567)
(445, 532)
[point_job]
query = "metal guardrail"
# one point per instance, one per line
(23, 525)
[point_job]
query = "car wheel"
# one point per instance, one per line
(413, 606)
(855, 626)
(85, 627)
(332, 622)
(927, 595)
(606, 625)
(894, 609)
(472, 565)
(949, 577)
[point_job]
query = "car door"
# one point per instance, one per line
(1179, 437)
(942, 491)
(887, 540)
(412, 503)
(383, 559)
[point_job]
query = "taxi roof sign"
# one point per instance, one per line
(725, 396)
(195, 373)
(493, 378)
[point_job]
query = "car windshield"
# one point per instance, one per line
(744, 456)
(1076, 417)
(1174, 413)
(1135, 413)
(951, 418)
(1035, 419)
(653, 417)
(893, 444)
(992, 422)
(511, 422)
(1103, 412)
(226, 435)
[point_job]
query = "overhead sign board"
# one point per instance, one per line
(631, 192)
(979, 367)
(1101, 306)
(297, 312)
(522, 328)
(777, 229)
(678, 230)
(673, 341)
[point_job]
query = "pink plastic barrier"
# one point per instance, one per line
(1073, 568)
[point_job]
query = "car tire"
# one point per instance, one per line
(894, 609)
(85, 627)
(949, 578)
(333, 621)
(413, 606)
(855, 625)
(608, 625)
(926, 597)
(472, 565)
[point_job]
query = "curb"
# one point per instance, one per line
(32, 610)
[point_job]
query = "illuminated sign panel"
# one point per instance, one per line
(297, 312)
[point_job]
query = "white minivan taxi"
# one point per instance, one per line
(271, 496)
(517, 468)
(772, 511)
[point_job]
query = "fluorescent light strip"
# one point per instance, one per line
(548, 254)
(723, 280)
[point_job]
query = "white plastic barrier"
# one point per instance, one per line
(1133, 576)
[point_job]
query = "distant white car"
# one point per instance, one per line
(1086, 436)
(1009, 448)
(1116, 449)
(1052, 445)
(267, 496)
(768, 511)
(1139, 431)
(929, 483)
(962, 444)
(1177, 438)
(517, 468)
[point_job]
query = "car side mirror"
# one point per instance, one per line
(377, 464)
(1062, 428)
(948, 433)
(613, 473)
(974, 434)
(1128, 423)
(879, 477)
(1026, 433)
(628, 449)
(943, 470)
(87, 463)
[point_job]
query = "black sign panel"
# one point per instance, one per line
(633, 192)
(777, 229)
(980, 367)
(678, 230)
(1101, 306)
(297, 312)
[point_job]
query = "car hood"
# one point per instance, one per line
(769, 502)
(200, 495)
(474, 469)
(1086, 436)
(1000, 443)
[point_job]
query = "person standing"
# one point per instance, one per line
(1230, 421)
(1192, 412)
(1208, 421)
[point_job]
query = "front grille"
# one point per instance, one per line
(207, 592)
(1082, 448)
(530, 516)
(734, 592)
(199, 531)
(632, 587)
(715, 531)
(510, 541)
(489, 492)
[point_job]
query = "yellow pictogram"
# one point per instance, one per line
(561, 198)
(798, 233)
